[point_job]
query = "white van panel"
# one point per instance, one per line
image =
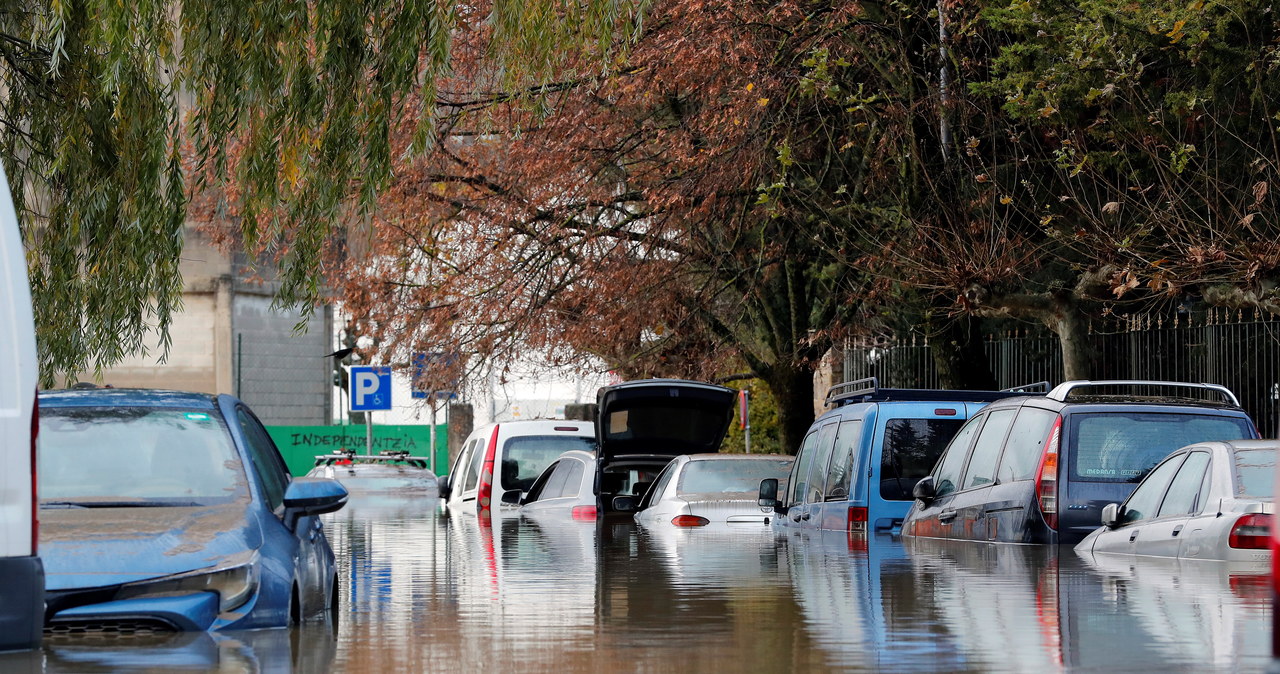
(18, 376)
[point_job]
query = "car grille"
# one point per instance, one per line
(123, 627)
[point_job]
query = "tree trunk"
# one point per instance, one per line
(792, 389)
(958, 355)
(1073, 335)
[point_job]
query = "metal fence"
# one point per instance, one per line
(1239, 349)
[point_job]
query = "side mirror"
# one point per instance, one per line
(624, 504)
(445, 485)
(768, 497)
(924, 490)
(312, 496)
(1111, 515)
(511, 496)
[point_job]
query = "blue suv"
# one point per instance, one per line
(164, 511)
(859, 463)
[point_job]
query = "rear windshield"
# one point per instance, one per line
(136, 456)
(730, 476)
(911, 449)
(1255, 473)
(524, 457)
(1124, 446)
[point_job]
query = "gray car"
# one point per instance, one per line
(699, 489)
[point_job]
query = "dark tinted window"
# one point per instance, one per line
(1144, 502)
(1123, 446)
(266, 460)
(1185, 488)
(842, 460)
(1025, 446)
(911, 450)
(986, 450)
(524, 457)
(680, 420)
(1255, 473)
(730, 476)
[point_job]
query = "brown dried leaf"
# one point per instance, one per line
(1259, 191)
(1111, 207)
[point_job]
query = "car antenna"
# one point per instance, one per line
(1219, 507)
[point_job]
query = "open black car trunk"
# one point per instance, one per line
(643, 424)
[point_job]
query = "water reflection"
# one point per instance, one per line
(427, 592)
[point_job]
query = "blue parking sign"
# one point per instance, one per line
(370, 388)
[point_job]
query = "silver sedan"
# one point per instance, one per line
(699, 489)
(1212, 500)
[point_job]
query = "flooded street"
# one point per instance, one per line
(428, 592)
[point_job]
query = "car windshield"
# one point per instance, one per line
(136, 456)
(1255, 473)
(524, 457)
(1124, 446)
(718, 476)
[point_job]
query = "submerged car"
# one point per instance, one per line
(699, 489)
(644, 424)
(389, 471)
(168, 511)
(1040, 469)
(1213, 500)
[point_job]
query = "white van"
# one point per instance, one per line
(507, 456)
(21, 573)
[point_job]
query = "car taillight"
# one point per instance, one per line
(584, 513)
(485, 495)
(1047, 477)
(35, 498)
(857, 520)
(689, 521)
(1251, 532)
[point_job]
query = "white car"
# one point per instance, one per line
(698, 489)
(22, 587)
(387, 472)
(507, 456)
(566, 487)
(1212, 500)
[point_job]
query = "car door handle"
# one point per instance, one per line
(1177, 530)
(946, 515)
(1133, 536)
(806, 516)
(795, 517)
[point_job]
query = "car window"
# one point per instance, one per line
(911, 449)
(948, 471)
(540, 484)
(660, 485)
(821, 459)
(1123, 446)
(137, 455)
(459, 464)
(1255, 473)
(268, 465)
(800, 473)
(1025, 446)
(572, 478)
(730, 476)
(986, 449)
(1144, 502)
(473, 467)
(524, 457)
(842, 460)
(1185, 487)
(556, 484)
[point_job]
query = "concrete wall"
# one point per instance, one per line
(285, 377)
(191, 363)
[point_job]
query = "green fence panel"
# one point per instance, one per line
(299, 445)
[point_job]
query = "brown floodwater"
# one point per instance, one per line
(426, 592)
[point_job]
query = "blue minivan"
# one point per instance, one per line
(859, 462)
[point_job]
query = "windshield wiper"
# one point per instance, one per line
(117, 504)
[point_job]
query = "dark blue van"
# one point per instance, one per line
(1040, 469)
(858, 464)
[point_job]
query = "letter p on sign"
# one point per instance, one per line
(370, 388)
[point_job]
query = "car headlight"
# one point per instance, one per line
(234, 582)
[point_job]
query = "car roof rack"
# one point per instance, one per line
(350, 456)
(1064, 390)
(869, 390)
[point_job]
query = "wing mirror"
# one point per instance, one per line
(768, 497)
(924, 489)
(445, 484)
(511, 496)
(1111, 515)
(624, 504)
(312, 496)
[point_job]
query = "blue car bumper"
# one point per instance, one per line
(195, 611)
